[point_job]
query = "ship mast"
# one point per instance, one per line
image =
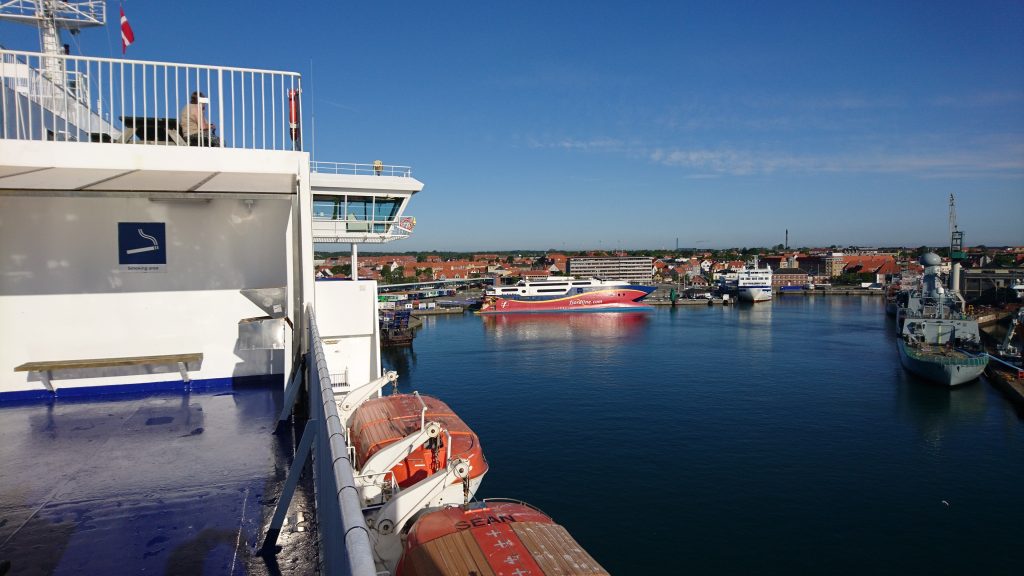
(50, 16)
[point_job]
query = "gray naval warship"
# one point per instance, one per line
(937, 340)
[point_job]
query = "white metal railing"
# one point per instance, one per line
(373, 231)
(77, 98)
(339, 381)
(351, 168)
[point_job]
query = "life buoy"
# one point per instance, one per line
(293, 113)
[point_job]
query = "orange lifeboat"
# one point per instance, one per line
(492, 537)
(380, 422)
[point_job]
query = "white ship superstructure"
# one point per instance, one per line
(754, 284)
(119, 245)
(134, 257)
(555, 286)
(132, 261)
(565, 294)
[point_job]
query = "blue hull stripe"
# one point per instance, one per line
(143, 388)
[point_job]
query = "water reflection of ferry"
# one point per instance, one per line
(565, 326)
(754, 326)
(749, 314)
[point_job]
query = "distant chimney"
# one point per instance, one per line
(787, 238)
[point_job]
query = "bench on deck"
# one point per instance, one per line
(152, 130)
(44, 368)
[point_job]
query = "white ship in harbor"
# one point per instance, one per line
(937, 340)
(754, 284)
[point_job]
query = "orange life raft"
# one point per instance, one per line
(383, 421)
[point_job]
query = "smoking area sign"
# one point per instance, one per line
(142, 246)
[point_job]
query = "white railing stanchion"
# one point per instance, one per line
(209, 89)
(3, 93)
(252, 105)
(241, 84)
(145, 106)
(299, 119)
(273, 112)
(220, 104)
(263, 110)
(232, 111)
(132, 66)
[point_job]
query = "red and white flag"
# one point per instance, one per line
(127, 36)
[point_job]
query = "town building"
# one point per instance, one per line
(992, 284)
(635, 269)
(789, 277)
(834, 264)
(882, 266)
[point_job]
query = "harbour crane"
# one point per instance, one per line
(956, 237)
(956, 253)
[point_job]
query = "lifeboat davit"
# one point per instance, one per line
(492, 537)
(381, 422)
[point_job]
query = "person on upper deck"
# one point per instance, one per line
(193, 125)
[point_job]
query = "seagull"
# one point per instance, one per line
(946, 503)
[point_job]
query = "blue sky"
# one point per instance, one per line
(629, 124)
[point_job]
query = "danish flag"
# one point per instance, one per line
(127, 36)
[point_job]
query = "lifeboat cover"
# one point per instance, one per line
(493, 538)
(383, 421)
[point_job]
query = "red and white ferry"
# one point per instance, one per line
(566, 294)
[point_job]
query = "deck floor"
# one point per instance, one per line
(157, 484)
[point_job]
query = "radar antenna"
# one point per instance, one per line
(50, 17)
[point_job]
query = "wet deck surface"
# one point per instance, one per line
(158, 484)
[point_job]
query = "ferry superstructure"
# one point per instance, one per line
(754, 284)
(565, 294)
(132, 262)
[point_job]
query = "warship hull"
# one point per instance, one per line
(950, 370)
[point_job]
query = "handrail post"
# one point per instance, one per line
(220, 104)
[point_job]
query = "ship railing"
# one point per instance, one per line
(376, 229)
(339, 381)
(344, 539)
(86, 99)
(355, 169)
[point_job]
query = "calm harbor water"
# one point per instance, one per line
(779, 438)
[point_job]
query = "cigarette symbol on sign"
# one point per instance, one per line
(155, 246)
